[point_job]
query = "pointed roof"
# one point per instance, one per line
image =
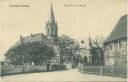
(120, 30)
(90, 44)
(52, 18)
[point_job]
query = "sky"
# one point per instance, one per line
(92, 18)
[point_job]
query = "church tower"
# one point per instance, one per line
(51, 27)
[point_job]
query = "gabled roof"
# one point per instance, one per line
(120, 30)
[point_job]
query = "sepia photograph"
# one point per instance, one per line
(63, 41)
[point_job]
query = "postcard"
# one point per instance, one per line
(63, 40)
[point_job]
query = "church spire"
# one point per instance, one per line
(52, 18)
(51, 26)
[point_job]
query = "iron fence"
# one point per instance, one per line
(102, 70)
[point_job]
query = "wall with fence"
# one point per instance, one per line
(19, 69)
(102, 70)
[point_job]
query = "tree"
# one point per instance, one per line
(25, 53)
(68, 48)
(100, 41)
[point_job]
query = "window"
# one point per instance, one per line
(116, 46)
(110, 47)
(120, 45)
(113, 46)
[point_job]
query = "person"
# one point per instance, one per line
(85, 60)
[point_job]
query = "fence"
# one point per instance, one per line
(101, 70)
(18, 69)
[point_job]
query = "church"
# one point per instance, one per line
(49, 38)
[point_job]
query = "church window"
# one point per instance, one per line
(53, 31)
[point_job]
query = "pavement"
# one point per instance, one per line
(59, 76)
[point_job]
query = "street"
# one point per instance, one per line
(66, 75)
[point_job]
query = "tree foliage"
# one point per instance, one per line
(68, 48)
(100, 41)
(25, 53)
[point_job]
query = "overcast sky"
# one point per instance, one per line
(98, 17)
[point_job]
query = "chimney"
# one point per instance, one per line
(31, 34)
(21, 38)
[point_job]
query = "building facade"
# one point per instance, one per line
(92, 53)
(116, 45)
